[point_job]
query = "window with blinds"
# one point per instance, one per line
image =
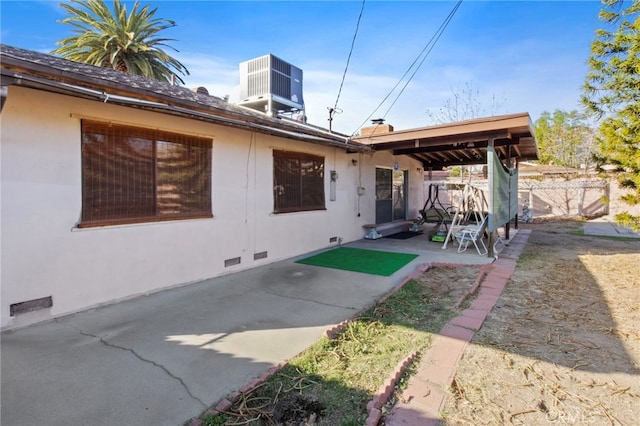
(134, 175)
(298, 182)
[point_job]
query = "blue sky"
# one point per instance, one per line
(528, 55)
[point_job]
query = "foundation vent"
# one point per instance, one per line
(333, 239)
(261, 255)
(30, 306)
(231, 262)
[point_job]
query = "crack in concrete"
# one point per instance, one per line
(137, 355)
(352, 308)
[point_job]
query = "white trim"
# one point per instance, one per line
(137, 124)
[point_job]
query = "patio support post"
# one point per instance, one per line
(508, 224)
(491, 213)
(515, 222)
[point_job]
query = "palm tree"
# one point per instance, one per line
(124, 42)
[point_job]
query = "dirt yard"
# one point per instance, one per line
(562, 345)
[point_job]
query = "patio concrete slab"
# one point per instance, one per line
(163, 358)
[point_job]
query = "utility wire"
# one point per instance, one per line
(437, 37)
(427, 48)
(344, 74)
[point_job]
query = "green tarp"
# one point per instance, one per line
(503, 191)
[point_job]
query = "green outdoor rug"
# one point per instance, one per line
(360, 260)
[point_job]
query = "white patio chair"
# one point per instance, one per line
(472, 234)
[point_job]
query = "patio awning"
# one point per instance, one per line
(461, 143)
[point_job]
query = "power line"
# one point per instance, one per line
(441, 31)
(344, 74)
(428, 48)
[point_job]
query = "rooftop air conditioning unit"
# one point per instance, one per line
(271, 85)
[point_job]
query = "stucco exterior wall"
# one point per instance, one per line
(44, 254)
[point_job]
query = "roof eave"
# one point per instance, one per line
(45, 77)
(461, 143)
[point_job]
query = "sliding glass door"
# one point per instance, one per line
(391, 188)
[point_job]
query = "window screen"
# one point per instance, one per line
(140, 175)
(298, 182)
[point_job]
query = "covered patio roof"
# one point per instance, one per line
(460, 143)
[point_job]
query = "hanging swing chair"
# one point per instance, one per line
(433, 212)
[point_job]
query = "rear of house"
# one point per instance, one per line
(115, 186)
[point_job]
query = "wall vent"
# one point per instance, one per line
(30, 306)
(261, 255)
(333, 239)
(231, 262)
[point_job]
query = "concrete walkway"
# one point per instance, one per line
(164, 358)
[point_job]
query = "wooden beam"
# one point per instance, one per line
(448, 140)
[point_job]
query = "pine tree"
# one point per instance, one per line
(612, 93)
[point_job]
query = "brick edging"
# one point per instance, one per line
(482, 274)
(440, 372)
(387, 389)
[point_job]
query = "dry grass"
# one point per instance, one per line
(562, 344)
